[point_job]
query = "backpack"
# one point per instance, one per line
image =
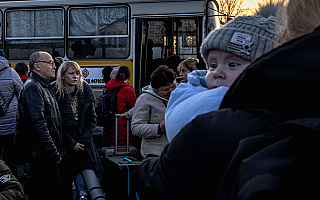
(106, 108)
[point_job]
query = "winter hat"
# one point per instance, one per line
(247, 36)
(2, 53)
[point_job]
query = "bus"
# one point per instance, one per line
(140, 34)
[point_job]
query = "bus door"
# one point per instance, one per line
(157, 39)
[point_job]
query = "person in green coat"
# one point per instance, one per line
(9, 184)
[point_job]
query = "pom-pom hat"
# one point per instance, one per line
(247, 36)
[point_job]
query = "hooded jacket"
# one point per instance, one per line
(148, 113)
(11, 85)
(126, 99)
(272, 107)
(193, 96)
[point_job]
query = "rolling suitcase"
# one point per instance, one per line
(118, 169)
(120, 150)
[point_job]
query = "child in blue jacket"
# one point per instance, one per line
(227, 52)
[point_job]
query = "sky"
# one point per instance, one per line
(251, 3)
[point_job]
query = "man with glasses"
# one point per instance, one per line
(40, 124)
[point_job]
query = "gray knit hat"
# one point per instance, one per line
(247, 36)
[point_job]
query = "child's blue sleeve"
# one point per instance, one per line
(197, 78)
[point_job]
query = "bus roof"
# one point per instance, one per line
(33, 3)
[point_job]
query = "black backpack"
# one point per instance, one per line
(106, 108)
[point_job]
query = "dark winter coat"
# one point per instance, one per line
(11, 85)
(10, 188)
(126, 99)
(273, 101)
(85, 124)
(282, 162)
(40, 120)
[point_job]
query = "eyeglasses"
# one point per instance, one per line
(48, 62)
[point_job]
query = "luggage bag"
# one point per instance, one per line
(120, 150)
(118, 169)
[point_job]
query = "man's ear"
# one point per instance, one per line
(36, 67)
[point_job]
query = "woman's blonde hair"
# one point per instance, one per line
(189, 63)
(61, 71)
(298, 17)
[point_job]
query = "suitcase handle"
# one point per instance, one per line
(116, 134)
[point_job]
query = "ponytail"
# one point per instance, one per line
(120, 77)
(123, 74)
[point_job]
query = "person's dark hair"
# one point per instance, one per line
(58, 61)
(123, 73)
(162, 76)
(106, 73)
(201, 65)
(21, 68)
(172, 62)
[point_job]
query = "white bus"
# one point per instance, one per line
(140, 34)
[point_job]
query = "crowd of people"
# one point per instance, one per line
(245, 128)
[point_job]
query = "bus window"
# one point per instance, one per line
(31, 30)
(98, 32)
(163, 38)
(186, 45)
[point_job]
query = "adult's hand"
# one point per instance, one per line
(78, 147)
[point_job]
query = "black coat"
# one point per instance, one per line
(85, 124)
(39, 121)
(273, 100)
(282, 162)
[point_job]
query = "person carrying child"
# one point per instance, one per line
(227, 52)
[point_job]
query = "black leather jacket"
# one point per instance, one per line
(39, 119)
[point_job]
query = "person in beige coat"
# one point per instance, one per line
(149, 111)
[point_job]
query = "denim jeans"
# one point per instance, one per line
(78, 182)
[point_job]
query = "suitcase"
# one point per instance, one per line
(118, 170)
(120, 150)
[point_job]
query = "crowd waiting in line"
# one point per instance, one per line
(245, 128)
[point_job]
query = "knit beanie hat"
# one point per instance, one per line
(247, 36)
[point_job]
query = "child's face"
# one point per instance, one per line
(224, 68)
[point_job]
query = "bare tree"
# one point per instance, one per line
(230, 9)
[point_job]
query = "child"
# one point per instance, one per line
(227, 52)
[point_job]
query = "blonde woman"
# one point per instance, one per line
(76, 103)
(185, 67)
